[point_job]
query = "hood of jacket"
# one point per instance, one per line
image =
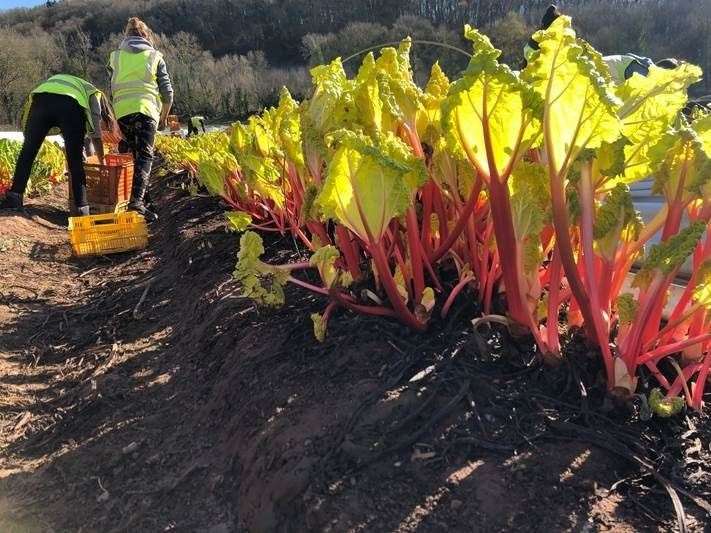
(135, 45)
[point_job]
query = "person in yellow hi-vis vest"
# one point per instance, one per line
(194, 125)
(142, 95)
(82, 114)
(621, 66)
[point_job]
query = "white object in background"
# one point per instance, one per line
(675, 292)
(648, 205)
(18, 136)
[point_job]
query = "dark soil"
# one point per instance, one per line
(139, 392)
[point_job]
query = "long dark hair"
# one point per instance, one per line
(110, 130)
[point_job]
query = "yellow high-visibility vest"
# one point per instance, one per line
(134, 83)
(67, 85)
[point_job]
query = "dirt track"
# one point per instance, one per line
(196, 412)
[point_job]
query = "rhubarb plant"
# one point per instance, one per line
(511, 188)
(494, 117)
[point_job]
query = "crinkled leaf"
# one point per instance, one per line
(700, 184)
(702, 291)
(319, 326)
(212, 175)
(309, 207)
(331, 107)
(580, 110)
(650, 105)
(429, 125)
(654, 100)
(428, 299)
(452, 172)
(490, 101)
(261, 282)
(664, 406)
(367, 100)
(238, 220)
(369, 182)
(424, 309)
(611, 158)
(324, 259)
(288, 128)
(626, 308)
(241, 138)
(530, 205)
(669, 255)
(399, 93)
(685, 166)
(616, 220)
(702, 127)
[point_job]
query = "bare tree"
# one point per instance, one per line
(24, 62)
(75, 51)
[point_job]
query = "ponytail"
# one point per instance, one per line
(137, 28)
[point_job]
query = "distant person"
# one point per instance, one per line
(621, 66)
(80, 112)
(194, 123)
(142, 95)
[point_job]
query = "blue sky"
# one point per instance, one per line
(7, 4)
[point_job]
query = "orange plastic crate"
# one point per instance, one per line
(107, 234)
(173, 123)
(110, 147)
(111, 183)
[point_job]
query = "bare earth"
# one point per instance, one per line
(138, 392)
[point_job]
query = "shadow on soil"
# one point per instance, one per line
(158, 400)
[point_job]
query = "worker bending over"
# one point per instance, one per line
(77, 109)
(142, 95)
(621, 66)
(194, 123)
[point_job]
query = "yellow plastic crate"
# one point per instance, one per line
(107, 234)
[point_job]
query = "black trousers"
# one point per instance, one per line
(139, 132)
(49, 111)
(193, 130)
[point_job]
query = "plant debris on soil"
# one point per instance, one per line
(140, 392)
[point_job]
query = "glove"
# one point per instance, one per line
(549, 16)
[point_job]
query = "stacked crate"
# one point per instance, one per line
(108, 185)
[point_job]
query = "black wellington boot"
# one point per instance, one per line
(137, 202)
(140, 207)
(12, 200)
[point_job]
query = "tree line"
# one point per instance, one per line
(229, 58)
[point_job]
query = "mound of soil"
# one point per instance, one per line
(139, 392)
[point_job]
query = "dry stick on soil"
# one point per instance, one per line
(424, 428)
(87, 272)
(24, 288)
(415, 413)
(394, 380)
(624, 452)
(41, 329)
(136, 313)
(372, 398)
